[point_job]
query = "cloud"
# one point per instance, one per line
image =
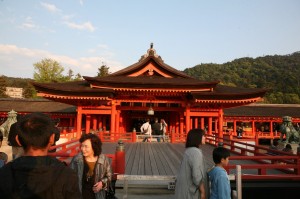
(18, 62)
(81, 2)
(84, 26)
(28, 24)
(50, 7)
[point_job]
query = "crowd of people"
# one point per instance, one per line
(158, 129)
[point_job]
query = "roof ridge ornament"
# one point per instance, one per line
(150, 52)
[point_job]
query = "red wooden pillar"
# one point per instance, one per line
(121, 123)
(79, 121)
(187, 119)
(113, 120)
(220, 123)
(94, 122)
(216, 125)
(117, 131)
(234, 127)
(253, 128)
(181, 121)
(177, 123)
(210, 126)
(202, 123)
(271, 129)
(88, 123)
(196, 122)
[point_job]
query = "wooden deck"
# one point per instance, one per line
(163, 159)
(143, 158)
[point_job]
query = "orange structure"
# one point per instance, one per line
(115, 102)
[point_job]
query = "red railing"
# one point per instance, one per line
(283, 161)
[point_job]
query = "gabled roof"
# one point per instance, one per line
(151, 59)
(149, 82)
(149, 74)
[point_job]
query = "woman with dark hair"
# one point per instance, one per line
(92, 167)
(191, 177)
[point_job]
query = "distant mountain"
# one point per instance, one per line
(279, 73)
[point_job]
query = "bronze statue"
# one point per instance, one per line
(287, 129)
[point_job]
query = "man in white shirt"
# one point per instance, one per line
(146, 130)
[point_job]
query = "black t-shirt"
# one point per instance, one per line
(156, 129)
(87, 184)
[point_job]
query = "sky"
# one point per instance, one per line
(82, 35)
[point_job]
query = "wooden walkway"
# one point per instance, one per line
(154, 158)
(163, 159)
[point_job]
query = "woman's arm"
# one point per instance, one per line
(202, 190)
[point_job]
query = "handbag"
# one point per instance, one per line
(110, 193)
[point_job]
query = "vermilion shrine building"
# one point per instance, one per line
(116, 101)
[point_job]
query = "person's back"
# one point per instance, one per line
(36, 175)
(155, 128)
(220, 184)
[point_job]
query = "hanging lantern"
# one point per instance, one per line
(150, 110)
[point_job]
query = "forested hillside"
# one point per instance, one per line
(281, 74)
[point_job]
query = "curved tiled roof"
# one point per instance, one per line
(230, 93)
(76, 88)
(148, 82)
(141, 63)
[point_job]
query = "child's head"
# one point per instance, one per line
(221, 156)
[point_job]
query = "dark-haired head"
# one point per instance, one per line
(95, 141)
(194, 138)
(35, 130)
(220, 153)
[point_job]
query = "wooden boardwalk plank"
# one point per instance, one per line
(161, 161)
(128, 149)
(136, 159)
(148, 170)
(131, 155)
(169, 159)
(141, 170)
(154, 168)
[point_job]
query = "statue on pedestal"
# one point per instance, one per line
(287, 129)
(11, 118)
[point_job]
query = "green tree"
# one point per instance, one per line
(77, 77)
(48, 70)
(3, 86)
(29, 91)
(103, 71)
